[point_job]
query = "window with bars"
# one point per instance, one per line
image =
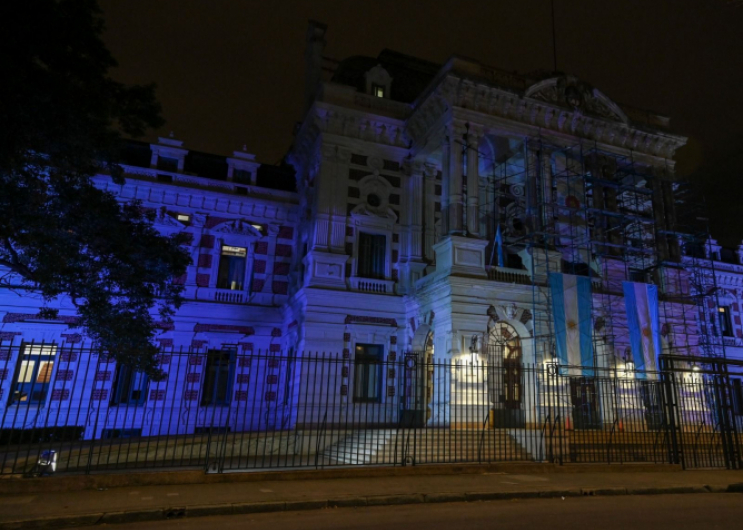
(129, 387)
(218, 376)
(367, 377)
(372, 256)
(33, 374)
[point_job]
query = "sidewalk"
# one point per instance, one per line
(158, 502)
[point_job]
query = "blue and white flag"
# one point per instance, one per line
(499, 245)
(571, 309)
(641, 301)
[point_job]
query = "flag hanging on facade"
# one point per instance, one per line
(641, 302)
(499, 245)
(571, 309)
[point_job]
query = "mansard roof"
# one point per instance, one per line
(211, 166)
(410, 75)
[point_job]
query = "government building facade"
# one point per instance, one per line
(446, 246)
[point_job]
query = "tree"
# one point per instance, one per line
(62, 120)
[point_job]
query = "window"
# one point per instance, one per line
(130, 387)
(232, 268)
(218, 375)
(167, 164)
(367, 373)
(241, 176)
(737, 397)
(637, 275)
(726, 324)
(372, 255)
(183, 218)
(378, 90)
(33, 374)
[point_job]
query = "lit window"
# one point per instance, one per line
(378, 91)
(367, 373)
(726, 325)
(372, 255)
(130, 387)
(232, 268)
(183, 218)
(258, 227)
(33, 374)
(220, 369)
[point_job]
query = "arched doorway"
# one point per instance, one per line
(418, 391)
(505, 375)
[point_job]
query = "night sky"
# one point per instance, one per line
(231, 72)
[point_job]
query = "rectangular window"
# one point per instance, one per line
(638, 276)
(372, 255)
(241, 176)
(378, 90)
(218, 376)
(726, 323)
(231, 273)
(130, 386)
(737, 397)
(167, 164)
(367, 373)
(33, 374)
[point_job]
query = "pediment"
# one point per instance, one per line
(237, 227)
(570, 92)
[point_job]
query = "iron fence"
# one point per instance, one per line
(229, 410)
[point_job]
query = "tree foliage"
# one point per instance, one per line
(62, 120)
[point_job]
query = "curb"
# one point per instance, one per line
(163, 514)
(14, 485)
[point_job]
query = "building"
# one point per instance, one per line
(442, 217)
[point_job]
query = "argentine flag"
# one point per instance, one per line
(571, 309)
(641, 301)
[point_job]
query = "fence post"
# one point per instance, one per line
(670, 411)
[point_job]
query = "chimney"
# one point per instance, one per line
(315, 46)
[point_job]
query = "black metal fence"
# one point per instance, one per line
(228, 410)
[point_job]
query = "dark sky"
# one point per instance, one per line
(231, 72)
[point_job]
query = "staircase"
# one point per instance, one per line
(427, 446)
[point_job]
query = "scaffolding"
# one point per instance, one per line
(581, 210)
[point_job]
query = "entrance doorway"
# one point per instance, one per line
(505, 376)
(584, 399)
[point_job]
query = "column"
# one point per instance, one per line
(456, 209)
(473, 184)
(429, 217)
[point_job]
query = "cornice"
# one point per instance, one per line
(460, 94)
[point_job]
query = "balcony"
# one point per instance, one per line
(211, 294)
(508, 275)
(370, 285)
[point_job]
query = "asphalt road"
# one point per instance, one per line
(656, 512)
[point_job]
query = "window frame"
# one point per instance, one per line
(362, 369)
(213, 400)
(117, 390)
(383, 274)
(221, 255)
(725, 321)
(39, 359)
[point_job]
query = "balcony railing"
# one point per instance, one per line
(507, 275)
(370, 285)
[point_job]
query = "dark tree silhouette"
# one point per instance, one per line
(62, 120)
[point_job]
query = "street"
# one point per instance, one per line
(655, 512)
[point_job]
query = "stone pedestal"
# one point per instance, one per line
(461, 256)
(325, 269)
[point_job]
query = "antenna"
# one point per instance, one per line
(554, 39)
